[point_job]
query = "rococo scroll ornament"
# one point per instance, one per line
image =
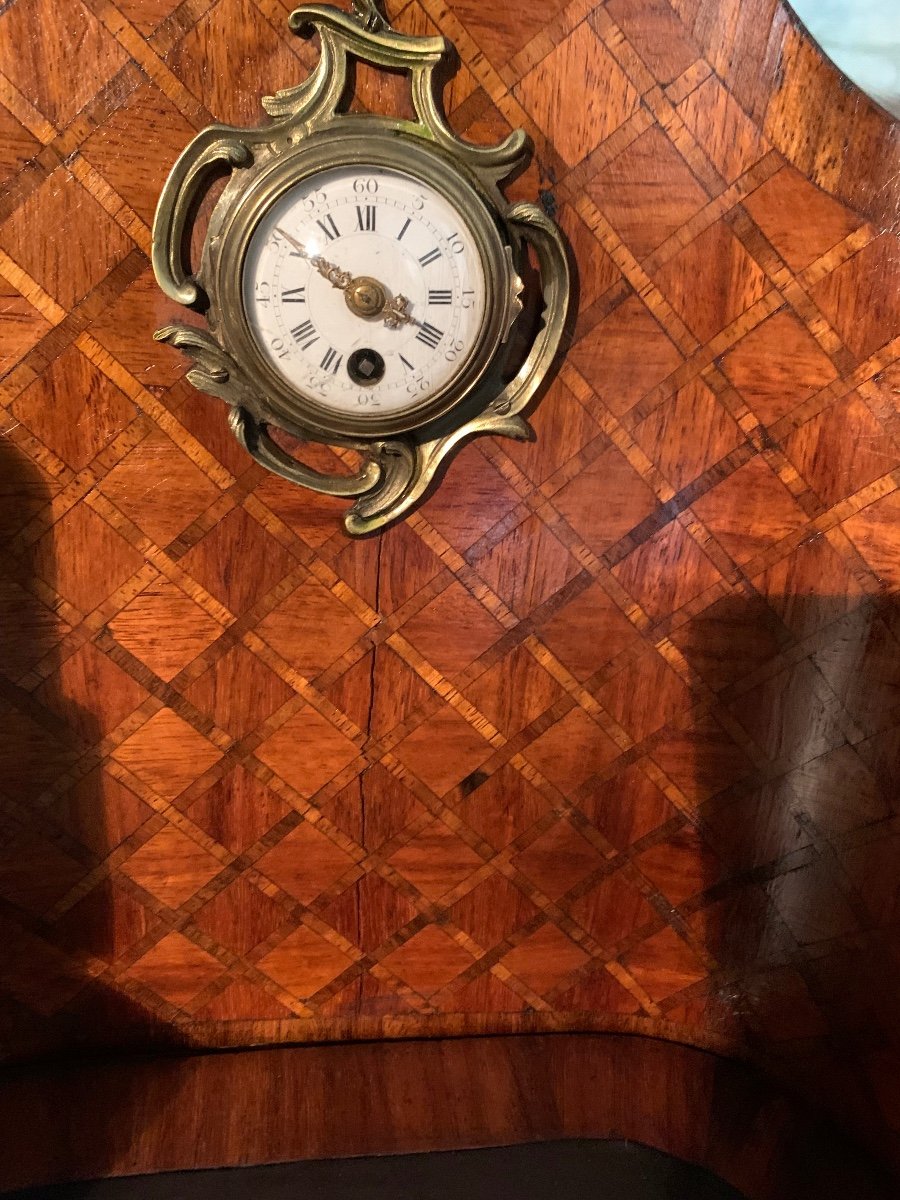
(362, 276)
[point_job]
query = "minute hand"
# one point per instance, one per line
(393, 308)
(335, 276)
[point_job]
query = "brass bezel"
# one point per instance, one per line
(364, 141)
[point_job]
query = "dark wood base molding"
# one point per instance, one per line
(130, 1116)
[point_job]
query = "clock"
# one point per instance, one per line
(362, 278)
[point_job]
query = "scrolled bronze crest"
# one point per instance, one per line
(311, 129)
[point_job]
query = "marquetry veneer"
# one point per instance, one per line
(605, 737)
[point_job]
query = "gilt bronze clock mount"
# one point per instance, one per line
(361, 275)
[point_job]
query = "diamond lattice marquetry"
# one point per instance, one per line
(647, 192)
(715, 434)
(311, 628)
(545, 959)
(614, 910)
(238, 810)
(435, 860)
(23, 326)
(164, 628)
(66, 268)
(304, 962)
(175, 969)
(171, 866)
(167, 754)
(608, 730)
(452, 630)
(589, 632)
(528, 566)
(761, 492)
(646, 573)
(240, 917)
(606, 356)
(579, 57)
(775, 205)
(85, 559)
(74, 409)
(238, 691)
(40, 73)
(159, 488)
(264, 562)
(572, 750)
(17, 145)
(712, 281)
(559, 859)
(118, 148)
(305, 863)
(664, 964)
(503, 807)
(428, 961)
(515, 691)
(307, 751)
(777, 366)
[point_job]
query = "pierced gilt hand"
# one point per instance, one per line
(365, 296)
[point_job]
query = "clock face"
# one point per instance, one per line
(364, 289)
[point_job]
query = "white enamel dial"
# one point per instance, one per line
(364, 288)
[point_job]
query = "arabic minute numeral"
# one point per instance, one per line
(453, 351)
(467, 297)
(455, 243)
(314, 199)
(429, 335)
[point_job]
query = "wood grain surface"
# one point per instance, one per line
(605, 737)
(278, 1104)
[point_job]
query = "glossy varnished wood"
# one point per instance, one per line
(605, 737)
(391, 1098)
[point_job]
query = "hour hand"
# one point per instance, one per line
(395, 313)
(335, 276)
(365, 296)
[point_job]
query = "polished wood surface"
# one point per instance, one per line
(278, 1105)
(606, 736)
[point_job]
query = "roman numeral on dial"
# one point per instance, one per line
(429, 335)
(404, 229)
(329, 228)
(294, 295)
(331, 361)
(365, 218)
(305, 334)
(430, 257)
(440, 296)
